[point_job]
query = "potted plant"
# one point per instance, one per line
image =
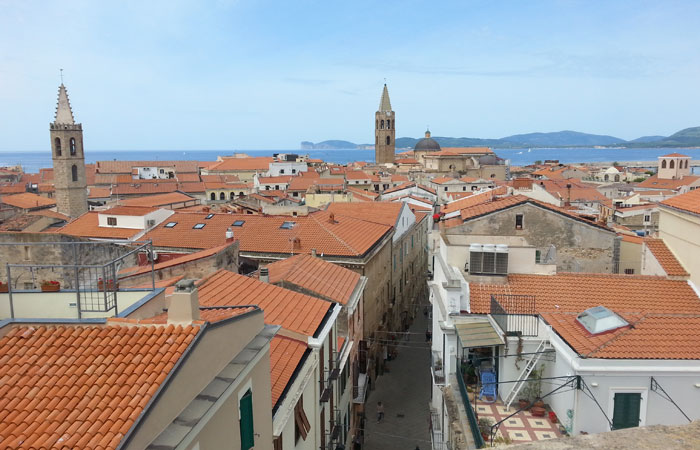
(3, 287)
(523, 403)
(484, 425)
(50, 286)
(110, 285)
(553, 417)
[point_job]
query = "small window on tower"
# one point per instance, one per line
(388, 140)
(518, 221)
(74, 172)
(381, 124)
(57, 143)
(72, 146)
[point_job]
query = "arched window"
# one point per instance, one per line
(686, 163)
(388, 124)
(72, 146)
(617, 177)
(240, 194)
(671, 164)
(74, 172)
(606, 177)
(377, 124)
(222, 196)
(388, 140)
(381, 124)
(663, 163)
(376, 140)
(232, 195)
(57, 144)
(213, 196)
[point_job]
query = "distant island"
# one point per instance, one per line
(689, 137)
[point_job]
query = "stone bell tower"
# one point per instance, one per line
(384, 131)
(68, 159)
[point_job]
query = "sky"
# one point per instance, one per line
(268, 74)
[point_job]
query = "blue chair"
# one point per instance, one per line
(488, 386)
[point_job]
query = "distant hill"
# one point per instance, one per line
(690, 137)
(562, 139)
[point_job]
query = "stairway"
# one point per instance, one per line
(522, 378)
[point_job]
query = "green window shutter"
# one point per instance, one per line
(626, 412)
(246, 421)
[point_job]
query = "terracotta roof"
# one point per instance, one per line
(158, 200)
(329, 281)
(407, 161)
(356, 175)
(654, 182)
(82, 386)
(12, 189)
(386, 213)
(228, 178)
(654, 336)
(468, 202)
(345, 236)
(49, 213)
(443, 180)
(27, 200)
(463, 151)
(87, 225)
(674, 155)
(96, 192)
(138, 270)
(291, 310)
(206, 314)
(282, 179)
(579, 192)
(303, 183)
(187, 177)
(689, 201)
(631, 239)
(128, 211)
(400, 187)
(261, 163)
(429, 189)
(125, 167)
(665, 257)
(285, 355)
(19, 222)
(575, 292)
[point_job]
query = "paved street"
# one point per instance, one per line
(405, 392)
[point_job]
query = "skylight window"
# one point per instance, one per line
(600, 319)
(238, 223)
(209, 216)
(199, 226)
(288, 225)
(170, 224)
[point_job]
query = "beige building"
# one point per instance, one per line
(679, 228)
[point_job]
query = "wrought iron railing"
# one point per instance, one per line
(471, 416)
(516, 315)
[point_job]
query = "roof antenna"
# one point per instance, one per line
(61, 75)
(384, 80)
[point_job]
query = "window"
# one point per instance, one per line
(293, 171)
(72, 146)
(232, 195)
(112, 221)
(381, 125)
(209, 216)
(245, 407)
(629, 271)
(301, 422)
(538, 256)
(671, 164)
(74, 172)
(277, 443)
(663, 163)
(388, 140)
(222, 196)
(213, 196)
(518, 221)
(627, 409)
(647, 218)
(464, 188)
(57, 144)
(27, 253)
(238, 223)
(198, 226)
(287, 225)
(282, 171)
(445, 188)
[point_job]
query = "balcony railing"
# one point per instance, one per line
(471, 417)
(516, 315)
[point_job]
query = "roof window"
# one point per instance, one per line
(209, 216)
(600, 319)
(170, 224)
(238, 223)
(199, 226)
(288, 225)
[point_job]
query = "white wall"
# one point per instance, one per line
(405, 221)
(134, 222)
(287, 168)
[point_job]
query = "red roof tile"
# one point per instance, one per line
(261, 163)
(27, 200)
(386, 213)
(689, 201)
(128, 211)
(87, 225)
(82, 386)
(675, 155)
(665, 257)
(654, 182)
(291, 310)
(158, 200)
(326, 280)
(285, 355)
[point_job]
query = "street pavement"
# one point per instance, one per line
(405, 393)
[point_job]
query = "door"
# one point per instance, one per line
(627, 409)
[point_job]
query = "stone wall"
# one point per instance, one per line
(580, 247)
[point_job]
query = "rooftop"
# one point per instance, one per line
(666, 258)
(689, 202)
(87, 225)
(27, 200)
(285, 355)
(158, 200)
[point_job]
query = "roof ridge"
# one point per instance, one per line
(348, 246)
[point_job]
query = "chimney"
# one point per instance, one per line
(313, 252)
(229, 235)
(264, 275)
(184, 304)
(568, 195)
(331, 218)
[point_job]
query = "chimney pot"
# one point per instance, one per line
(264, 275)
(184, 304)
(313, 252)
(229, 235)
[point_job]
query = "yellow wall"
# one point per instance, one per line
(681, 233)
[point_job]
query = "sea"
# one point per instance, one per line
(32, 161)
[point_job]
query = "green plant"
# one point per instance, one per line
(639, 179)
(502, 440)
(484, 425)
(533, 388)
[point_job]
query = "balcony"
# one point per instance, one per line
(360, 390)
(516, 315)
(437, 368)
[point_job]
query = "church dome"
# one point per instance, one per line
(427, 144)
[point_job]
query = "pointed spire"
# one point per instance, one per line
(64, 114)
(385, 104)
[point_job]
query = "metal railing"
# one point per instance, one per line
(516, 315)
(95, 285)
(471, 417)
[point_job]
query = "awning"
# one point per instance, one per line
(477, 332)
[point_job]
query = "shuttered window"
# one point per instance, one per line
(301, 422)
(627, 407)
(246, 422)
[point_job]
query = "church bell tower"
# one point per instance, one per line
(384, 131)
(68, 159)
